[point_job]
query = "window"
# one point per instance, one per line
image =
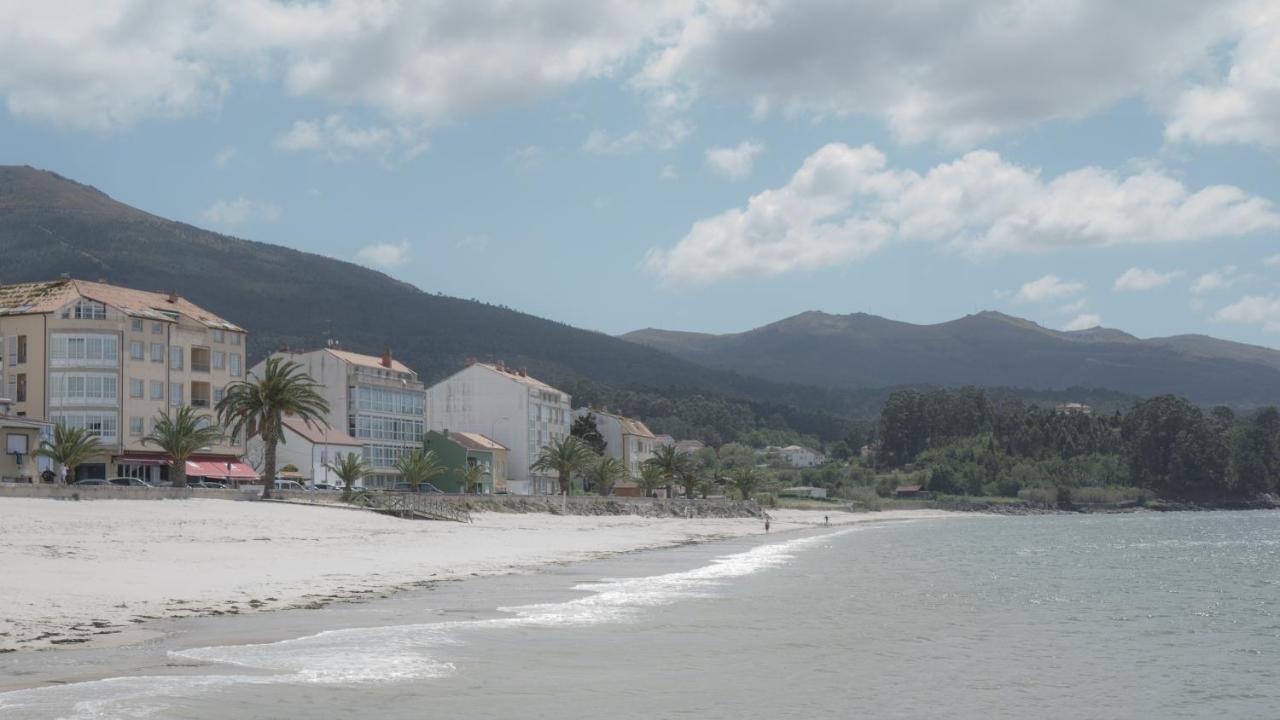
(83, 389)
(235, 338)
(21, 394)
(157, 352)
(13, 386)
(219, 336)
(16, 443)
(136, 324)
(219, 360)
(385, 428)
(235, 364)
(157, 328)
(175, 394)
(85, 310)
(104, 425)
(136, 350)
(135, 426)
(383, 400)
(175, 357)
(135, 388)
(21, 350)
(217, 394)
(157, 390)
(383, 455)
(13, 349)
(84, 350)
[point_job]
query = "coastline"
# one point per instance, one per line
(103, 574)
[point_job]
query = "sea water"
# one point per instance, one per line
(1124, 616)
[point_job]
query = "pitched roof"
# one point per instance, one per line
(630, 426)
(318, 434)
(475, 441)
(47, 297)
(513, 374)
(368, 361)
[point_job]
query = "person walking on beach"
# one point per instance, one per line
(826, 520)
(766, 523)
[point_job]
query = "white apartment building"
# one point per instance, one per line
(798, 456)
(378, 401)
(520, 412)
(626, 439)
(310, 448)
(111, 359)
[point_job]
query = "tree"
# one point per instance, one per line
(585, 429)
(418, 466)
(563, 457)
(671, 464)
(746, 479)
(350, 468)
(71, 446)
(650, 479)
(472, 476)
(602, 472)
(181, 434)
(257, 406)
(1173, 449)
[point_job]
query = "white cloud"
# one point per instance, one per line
(1083, 322)
(1253, 310)
(338, 140)
(845, 203)
(1215, 280)
(225, 157)
(1049, 287)
(1074, 307)
(669, 172)
(234, 213)
(384, 255)
(1243, 106)
(1139, 279)
(734, 163)
(529, 157)
(661, 135)
(954, 72)
(1272, 261)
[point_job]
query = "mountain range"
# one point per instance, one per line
(807, 372)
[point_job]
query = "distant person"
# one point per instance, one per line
(766, 523)
(826, 520)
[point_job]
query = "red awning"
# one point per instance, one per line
(221, 470)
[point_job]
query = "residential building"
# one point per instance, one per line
(663, 441)
(376, 400)
(803, 491)
(311, 449)
(112, 359)
(22, 437)
(798, 456)
(626, 439)
(458, 451)
(518, 411)
(689, 447)
(1074, 408)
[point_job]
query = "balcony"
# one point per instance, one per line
(200, 395)
(200, 359)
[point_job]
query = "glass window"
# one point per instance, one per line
(157, 352)
(136, 324)
(175, 357)
(175, 394)
(235, 338)
(135, 426)
(136, 350)
(217, 394)
(235, 364)
(157, 328)
(219, 360)
(157, 390)
(135, 387)
(219, 336)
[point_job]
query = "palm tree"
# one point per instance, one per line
(746, 479)
(258, 404)
(182, 434)
(418, 466)
(650, 479)
(472, 477)
(70, 447)
(350, 468)
(671, 464)
(603, 472)
(563, 457)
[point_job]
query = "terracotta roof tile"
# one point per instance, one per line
(475, 441)
(318, 434)
(47, 297)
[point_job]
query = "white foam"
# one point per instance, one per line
(395, 653)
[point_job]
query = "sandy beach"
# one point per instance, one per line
(94, 573)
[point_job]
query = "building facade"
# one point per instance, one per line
(458, 451)
(112, 359)
(376, 400)
(520, 412)
(626, 439)
(22, 437)
(309, 448)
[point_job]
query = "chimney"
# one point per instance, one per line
(102, 281)
(502, 367)
(524, 372)
(386, 357)
(173, 296)
(284, 348)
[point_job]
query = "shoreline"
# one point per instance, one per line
(105, 574)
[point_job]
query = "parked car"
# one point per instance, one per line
(422, 488)
(207, 484)
(287, 485)
(92, 482)
(325, 487)
(129, 482)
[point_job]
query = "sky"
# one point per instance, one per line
(709, 165)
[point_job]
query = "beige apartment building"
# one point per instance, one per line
(111, 359)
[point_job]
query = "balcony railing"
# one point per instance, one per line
(202, 367)
(200, 402)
